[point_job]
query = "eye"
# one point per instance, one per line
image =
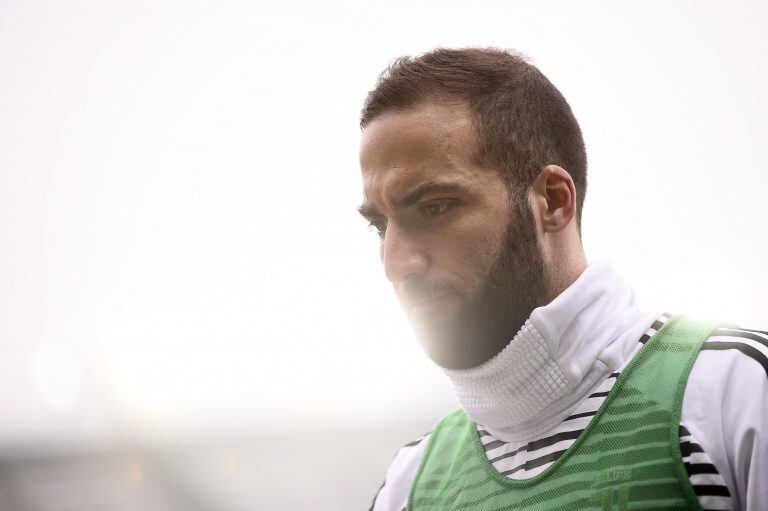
(434, 209)
(379, 226)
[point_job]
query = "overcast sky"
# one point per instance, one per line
(179, 247)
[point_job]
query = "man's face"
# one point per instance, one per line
(462, 257)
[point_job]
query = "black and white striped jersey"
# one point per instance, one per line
(723, 429)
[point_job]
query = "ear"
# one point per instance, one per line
(555, 198)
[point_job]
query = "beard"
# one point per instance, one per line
(514, 286)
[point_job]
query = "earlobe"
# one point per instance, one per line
(557, 192)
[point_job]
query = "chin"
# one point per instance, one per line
(444, 344)
(438, 352)
(436, 315)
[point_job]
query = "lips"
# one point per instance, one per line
(410, 303)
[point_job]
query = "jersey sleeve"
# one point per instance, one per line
(726, 407)
(393, 494)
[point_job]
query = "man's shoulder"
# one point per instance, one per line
(730, 372)
(736, 348)
(731, 368)
(394, 491)
(728, 350)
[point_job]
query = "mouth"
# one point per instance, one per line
(410, 304)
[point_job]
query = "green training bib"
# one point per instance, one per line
(628, 457)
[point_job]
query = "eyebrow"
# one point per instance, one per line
(412, 197)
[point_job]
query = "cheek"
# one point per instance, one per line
(470, 256)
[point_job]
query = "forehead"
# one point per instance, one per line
(427, 142)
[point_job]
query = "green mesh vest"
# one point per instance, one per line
(628, 457)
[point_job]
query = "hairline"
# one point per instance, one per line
(448, 98)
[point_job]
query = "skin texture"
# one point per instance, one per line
(467, 262)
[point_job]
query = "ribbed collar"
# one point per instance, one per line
(560, 354)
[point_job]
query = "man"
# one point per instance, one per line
(572, 397)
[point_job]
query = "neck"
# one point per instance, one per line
(564, 274)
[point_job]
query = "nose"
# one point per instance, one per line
(402, 256)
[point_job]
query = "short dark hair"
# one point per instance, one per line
(522, 122)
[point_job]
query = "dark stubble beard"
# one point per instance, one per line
(512, 289)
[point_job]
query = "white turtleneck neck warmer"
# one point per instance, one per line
(560, 354)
